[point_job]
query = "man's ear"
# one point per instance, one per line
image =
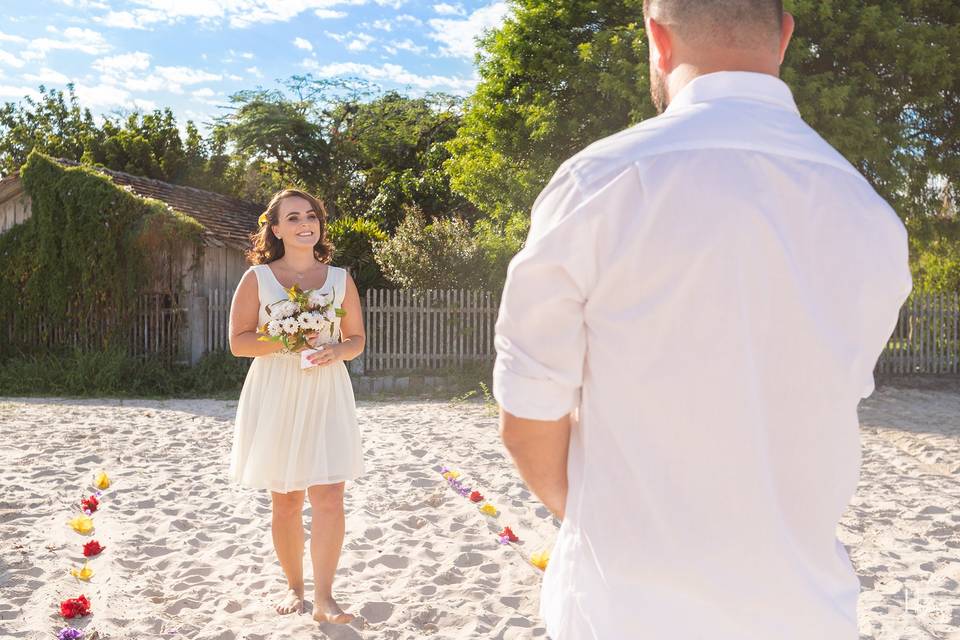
(786, 32)
(661, 45)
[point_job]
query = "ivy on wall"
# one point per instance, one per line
(89, 249)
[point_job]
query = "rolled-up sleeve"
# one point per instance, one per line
(540, 332)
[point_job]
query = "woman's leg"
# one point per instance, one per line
(326, 541)
(287, 528)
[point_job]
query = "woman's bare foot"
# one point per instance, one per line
(292, 602)
(327, 610)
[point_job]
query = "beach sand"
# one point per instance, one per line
(190, 556)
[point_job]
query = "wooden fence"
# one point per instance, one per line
(156, 331)
(927, 337)
(443, 329)
(428, 330)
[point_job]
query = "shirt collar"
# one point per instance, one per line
(735, 84)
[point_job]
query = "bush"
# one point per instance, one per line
(355, 240)
(439, 255)
(114, 373)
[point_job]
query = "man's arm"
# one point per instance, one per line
(539, 450)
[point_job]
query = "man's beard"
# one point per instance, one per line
(658, 90)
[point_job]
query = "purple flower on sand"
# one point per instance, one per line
(464, 491)
(70, 633)
(87, 511)
(98, 493)
(456, 484)
(504, 539)
(444, 469)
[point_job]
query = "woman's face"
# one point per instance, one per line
(298, 225)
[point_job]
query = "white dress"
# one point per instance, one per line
(295, 427)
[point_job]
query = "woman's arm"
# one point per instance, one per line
(244, 316)
(353, 336)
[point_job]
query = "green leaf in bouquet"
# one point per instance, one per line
(341, 312)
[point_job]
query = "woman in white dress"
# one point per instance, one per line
(296, 430)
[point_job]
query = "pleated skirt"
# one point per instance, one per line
(295, 428)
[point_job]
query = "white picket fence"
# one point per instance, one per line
(448, 329)
(927, 337)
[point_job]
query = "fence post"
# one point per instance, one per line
(197, 307)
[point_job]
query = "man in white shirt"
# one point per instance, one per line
(682, 345)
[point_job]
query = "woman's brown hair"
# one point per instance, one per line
(266, 247)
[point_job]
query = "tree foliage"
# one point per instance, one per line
(877, 78)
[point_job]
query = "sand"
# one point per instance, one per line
(189, 556)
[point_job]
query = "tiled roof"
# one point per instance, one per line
(226, 220)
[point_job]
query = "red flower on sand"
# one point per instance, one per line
(92, 548)
(476, 497)
(90, 504)
(73, 607)
(510, 535)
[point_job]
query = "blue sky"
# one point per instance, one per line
(191, 54)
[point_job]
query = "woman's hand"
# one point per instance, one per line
(326, 355)
(310, 336)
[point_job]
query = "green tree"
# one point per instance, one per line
(877, 78)
(432, 255)
(354, 241)
(558, 75)
(54, 124)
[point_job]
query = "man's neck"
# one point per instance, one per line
(684, 74)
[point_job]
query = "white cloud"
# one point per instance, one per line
(6, 37)
(255, 72)
(411, 20)
(131, 72)
(9, 91)
(74, 39)
(329, 14)
(205, 92)
(301, 43)
(46, 76)
(458, 37)
(235, 77)
(361, 42)
(383, 25)
(139, 19)
(103, 95)
(246, 55)
(339, 37)
(445, 9)
(10, 60)
(392, 73)
(404, 45)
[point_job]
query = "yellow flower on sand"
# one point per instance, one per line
(451, 475)
(101, 480)
(489, 509)
(82, 524)
(540, 560)
(84, 573)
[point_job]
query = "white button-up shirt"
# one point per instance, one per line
(708, 293)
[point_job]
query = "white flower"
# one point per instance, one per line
(283, 309)
(330, 314)
(319, 298)
(290, 325)
(274, 328)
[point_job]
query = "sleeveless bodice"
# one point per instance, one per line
(270, 290)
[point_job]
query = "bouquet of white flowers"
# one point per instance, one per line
(302, 313)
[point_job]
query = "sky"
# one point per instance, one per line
(190, 55)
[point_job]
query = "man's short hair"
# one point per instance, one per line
(730, 23)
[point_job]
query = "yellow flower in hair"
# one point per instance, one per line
(262, 220)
